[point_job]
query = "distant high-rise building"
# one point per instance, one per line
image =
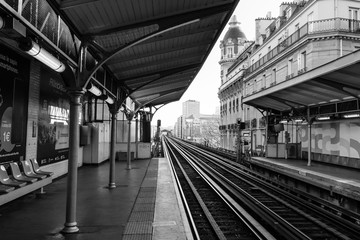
(217, 110)
(191, 107)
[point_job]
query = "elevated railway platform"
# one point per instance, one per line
(333, 179)
(142, 206)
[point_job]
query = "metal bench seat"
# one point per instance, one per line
(6, 189)
(37, 168)
(17, 175)
(28, 170)
(6, 180)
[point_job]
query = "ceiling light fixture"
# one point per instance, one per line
(323, 118)
(36, 51)
(109, 100)
(93, 89)
(352, 115)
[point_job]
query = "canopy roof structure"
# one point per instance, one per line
(325, 85)
(154, 48)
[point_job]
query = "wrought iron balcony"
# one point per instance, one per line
(341, 25)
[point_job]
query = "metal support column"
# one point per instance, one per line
(128, 146)
(309, 137)
(266, 133)
(137, 138)
(74, 143)
(112, 149)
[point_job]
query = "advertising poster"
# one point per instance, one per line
(53, 125)
(14, 88)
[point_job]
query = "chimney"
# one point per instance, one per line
(268, 15)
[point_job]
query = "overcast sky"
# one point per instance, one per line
(205, 86)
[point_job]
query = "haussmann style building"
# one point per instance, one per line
(295, 87)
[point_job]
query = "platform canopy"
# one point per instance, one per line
(330, 83)
(155, 48)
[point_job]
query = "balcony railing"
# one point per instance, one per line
(311, 28)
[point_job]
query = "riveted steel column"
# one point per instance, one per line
(137, 138)
(309, 137)
(128, 146)
(112, 149)
(74, 143)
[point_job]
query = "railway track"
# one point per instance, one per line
(212, 214)
(285, 216)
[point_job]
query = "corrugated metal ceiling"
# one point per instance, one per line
(154, 47)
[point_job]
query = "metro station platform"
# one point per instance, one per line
(144, 205)
(345, 181)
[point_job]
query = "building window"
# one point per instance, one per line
(273, 77)
(230, 53)
(263, 82)
(237, 104)
(289, 67)
(303, 60)
(354, 17)
(311, 24)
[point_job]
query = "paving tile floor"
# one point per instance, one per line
(101, 213)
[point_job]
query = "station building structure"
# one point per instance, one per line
(296, 86)
(81, 80)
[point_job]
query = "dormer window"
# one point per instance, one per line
(277, 23)
(267, 32)
(288, 13)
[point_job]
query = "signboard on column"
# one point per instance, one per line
(14, 89)
(53, 125)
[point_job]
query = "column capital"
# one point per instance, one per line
(76, 91)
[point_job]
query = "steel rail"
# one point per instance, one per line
(278, 223)
(259, 231)
(189, 217)
(208, 215)
(350, 225)
(352, 228)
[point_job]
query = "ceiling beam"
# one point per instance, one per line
(286, 101)
(163, 61)
(295, 91)
(164, 72)
(134, 73)
(163, 93)
(309, 86)
(120, 59)
(170, 19)
(337, 86)
(178, 70)
(67, 4)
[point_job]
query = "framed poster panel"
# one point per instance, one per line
(14, 92)
(53, 125)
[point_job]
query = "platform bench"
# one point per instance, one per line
(22, 183)
(19, 192)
